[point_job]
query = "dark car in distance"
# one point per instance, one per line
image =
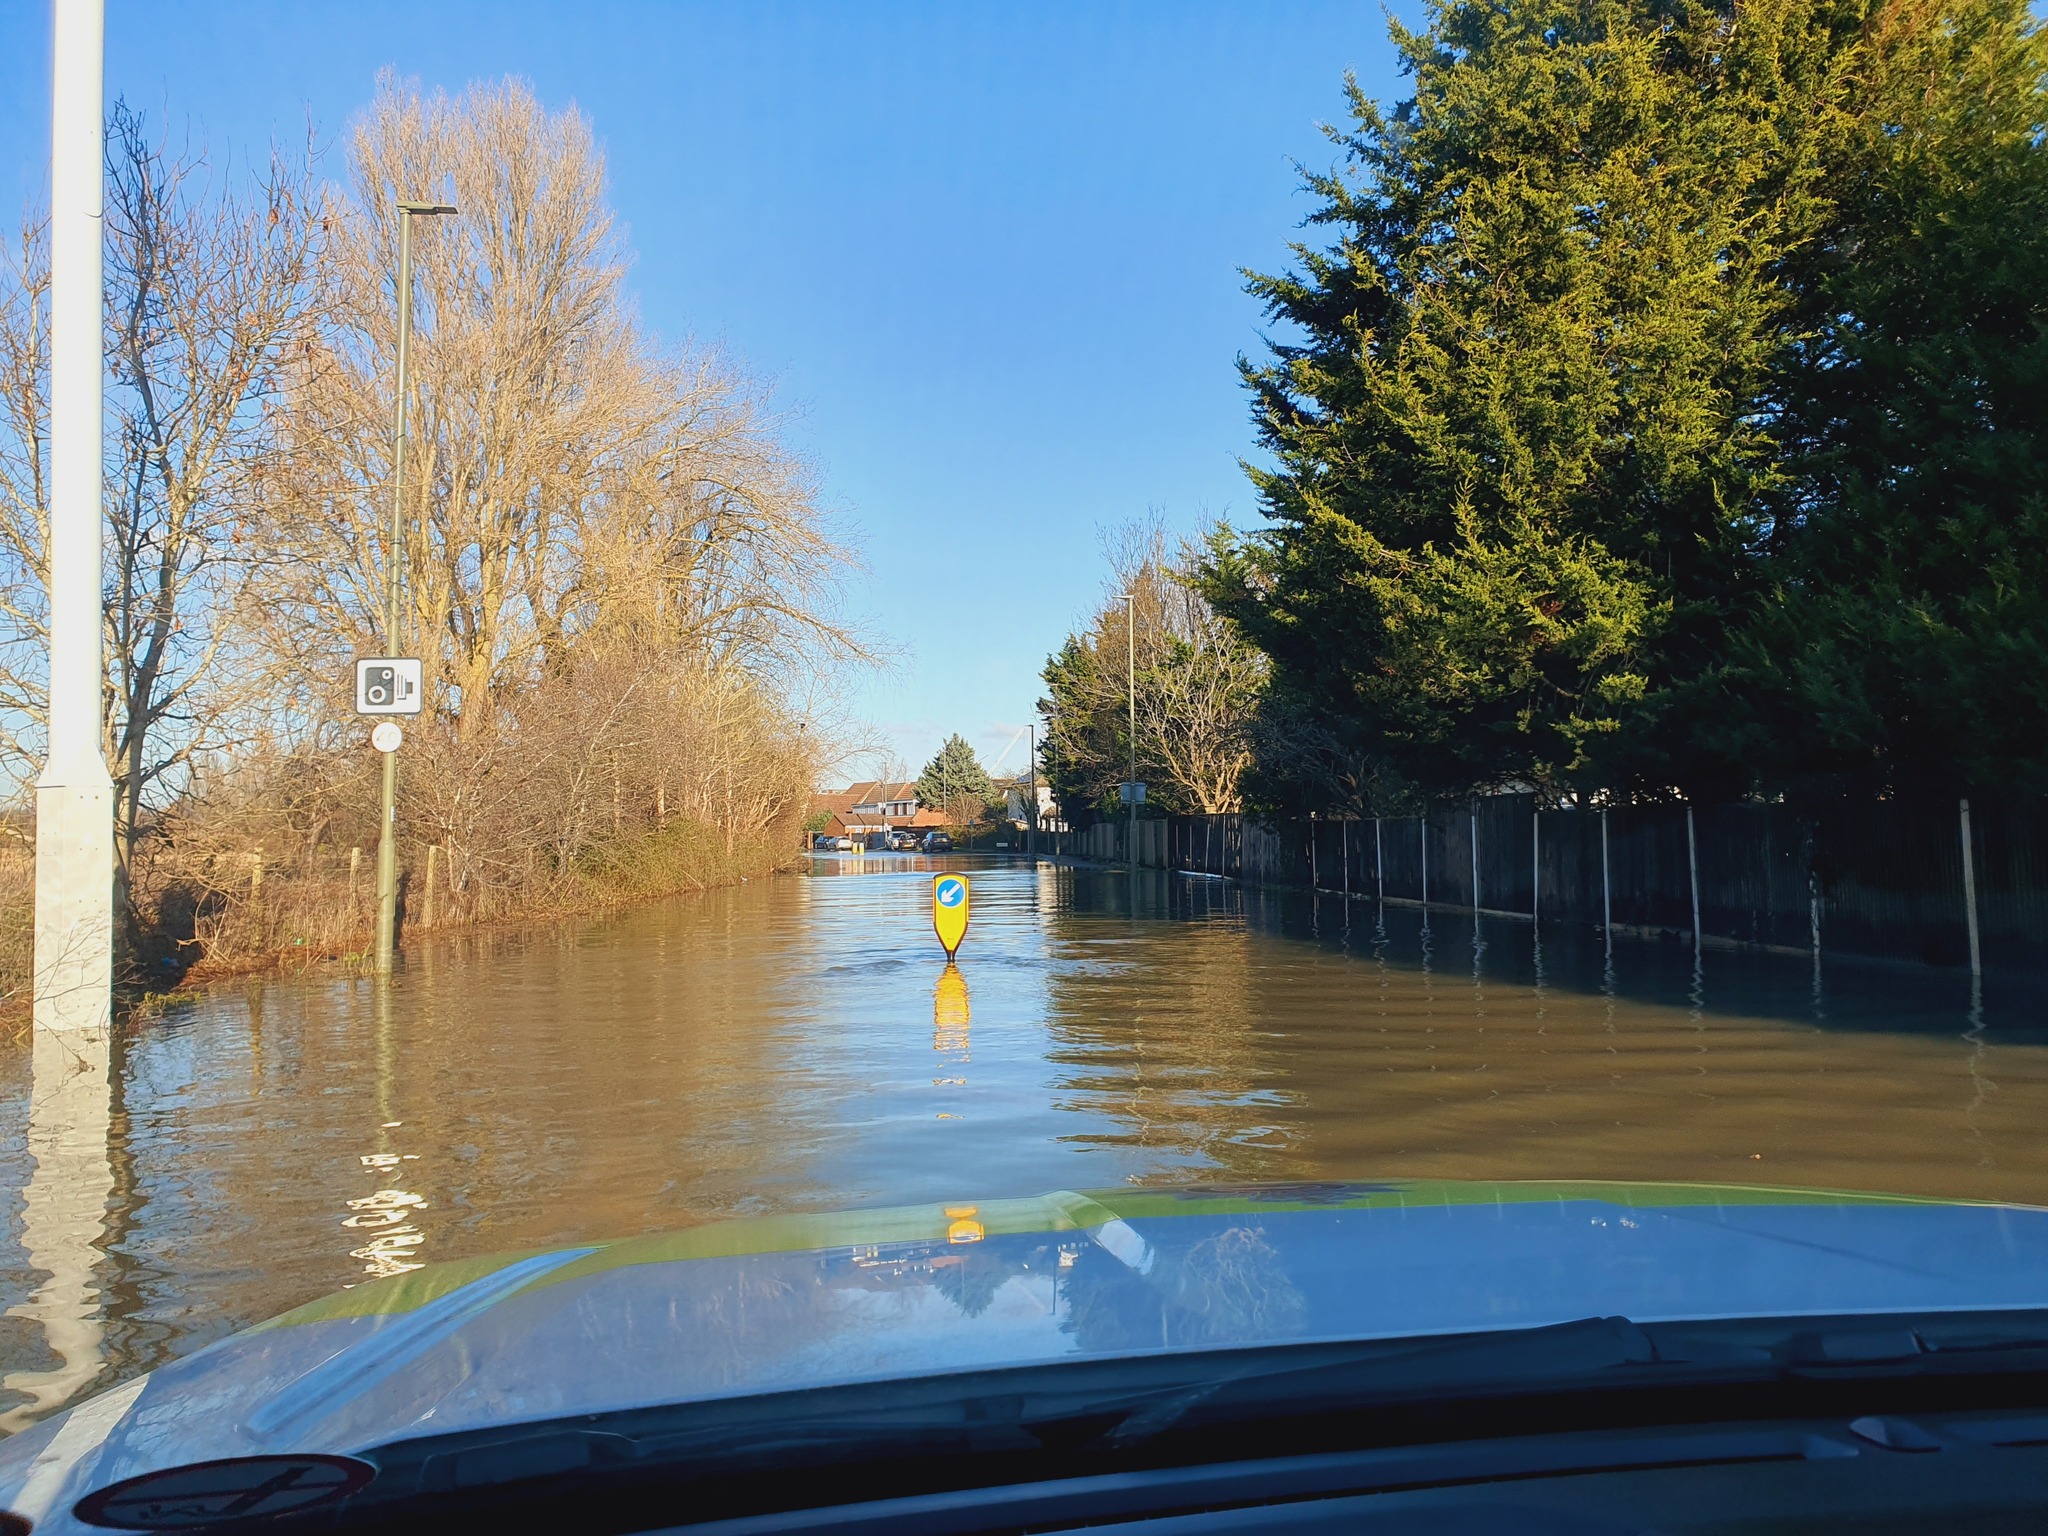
(937, 842)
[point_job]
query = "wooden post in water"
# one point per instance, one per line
(355, 865)
(1535, 865)
(1970, 891)
(1344, 850)
(1423, 821)
(1379, 861)
(433, 868)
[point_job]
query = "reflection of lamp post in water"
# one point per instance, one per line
(387, 831)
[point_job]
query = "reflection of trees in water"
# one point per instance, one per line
(764, 1307)
(971, 1274)
(1224, 1286)
(1168, 1047)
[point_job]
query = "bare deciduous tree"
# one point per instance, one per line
(620, 576)
(209, 289)
(570, 483)
(1197, 683)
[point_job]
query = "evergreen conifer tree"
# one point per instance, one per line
(1514, 407)
(955, 783)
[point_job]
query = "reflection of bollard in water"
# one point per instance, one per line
(950, 1011)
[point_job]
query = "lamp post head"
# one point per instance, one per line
(428, 209)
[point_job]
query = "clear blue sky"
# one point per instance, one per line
(988, 253)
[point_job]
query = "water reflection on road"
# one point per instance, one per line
(800, 1043)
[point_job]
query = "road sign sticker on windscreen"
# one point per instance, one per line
(949, 910)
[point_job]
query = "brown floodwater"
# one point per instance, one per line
(796, 1044)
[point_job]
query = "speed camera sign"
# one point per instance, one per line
(388, 685)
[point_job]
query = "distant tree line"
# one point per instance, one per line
(1667, 412)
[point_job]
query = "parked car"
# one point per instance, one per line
(903, 842)
(829, 845)
(937, 842)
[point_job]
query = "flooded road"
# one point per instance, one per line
(796, 1044)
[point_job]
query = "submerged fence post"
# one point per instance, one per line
(1535, 865)
(1692, 861)
(1970, 891)
(1315, 881)
(1606, 889)
(1344, 854)
(433, 868)
(1423, 822)
(1475, 863)
(1379, 861)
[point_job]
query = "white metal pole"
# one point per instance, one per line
(74, 943)
(70, 1115)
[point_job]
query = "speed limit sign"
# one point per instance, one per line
(387, 736)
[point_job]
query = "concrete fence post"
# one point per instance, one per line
(1692, 862)
(1970, 890)
(1475, 863)
(1606, 889)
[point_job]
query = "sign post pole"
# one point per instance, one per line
(394, 554)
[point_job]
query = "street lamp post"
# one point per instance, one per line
(1031, 827)
(74, 918)
(387, 827)
(1131, 690)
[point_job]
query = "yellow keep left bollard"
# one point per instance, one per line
(949, 910)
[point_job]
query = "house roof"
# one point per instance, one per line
(838, 806)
